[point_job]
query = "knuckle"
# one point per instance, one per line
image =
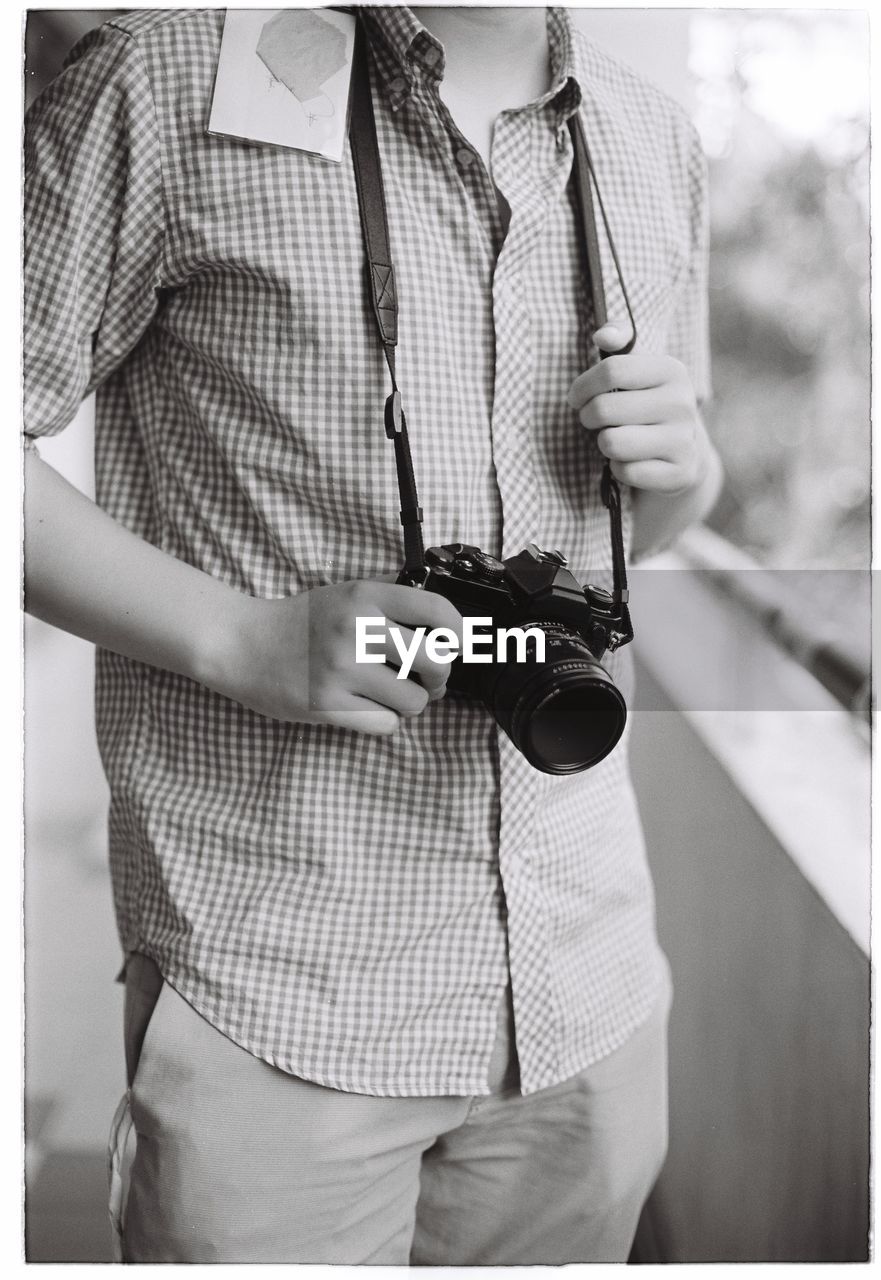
(420, 700)
(339, 627)
(436, 674)
(682, 444)
(604, 444)
(614, 368)
(602, 410)
(607, 443)
(360, 597)
(414, 700)
(688, 474)
(583, 388)
(333, 656)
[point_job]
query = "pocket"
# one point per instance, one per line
(654, 300)
(143, 987)
(119, 1158)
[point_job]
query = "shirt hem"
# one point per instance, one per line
(455, 1086)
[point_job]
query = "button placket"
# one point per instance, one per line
(512, 430)
(514, 142)
(464, 163)
(535, 1021)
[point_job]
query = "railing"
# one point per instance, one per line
(751, 760)
(821, 617)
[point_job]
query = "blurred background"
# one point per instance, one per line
(754, 784)
(781, 102)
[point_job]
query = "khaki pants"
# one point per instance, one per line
(237, 1161)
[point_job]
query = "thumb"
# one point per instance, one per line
(612, 337)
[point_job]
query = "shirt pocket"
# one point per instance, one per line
(653, 300)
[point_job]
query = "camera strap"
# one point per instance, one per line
(610, 492)
(383, 295)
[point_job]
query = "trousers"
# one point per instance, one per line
(237, 1161)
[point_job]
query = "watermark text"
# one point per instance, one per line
(442, 644)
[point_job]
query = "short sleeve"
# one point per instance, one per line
(93, 226)
(689, 333)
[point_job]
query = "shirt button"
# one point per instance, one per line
(465, 158)
(430, 57)
(398, 85)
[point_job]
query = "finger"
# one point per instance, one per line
(612, 337)
(671, 442)
(362, 715)
(625, 408)
(661, 477)
(638, 371)
(630, 444)
(433, 675)
(418, 608)
(381, 684)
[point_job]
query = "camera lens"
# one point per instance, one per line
(564, 714)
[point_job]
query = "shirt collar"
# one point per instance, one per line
(404, 50)
(567, 90)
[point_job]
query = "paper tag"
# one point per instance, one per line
(283, 77)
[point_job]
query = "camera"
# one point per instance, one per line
(564, 714)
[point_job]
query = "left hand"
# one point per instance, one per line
(645, 414)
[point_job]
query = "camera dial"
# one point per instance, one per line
(459, 557)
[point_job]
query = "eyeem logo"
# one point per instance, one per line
(442, 643)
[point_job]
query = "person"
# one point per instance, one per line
(392, 994)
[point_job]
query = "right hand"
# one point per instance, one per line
(294, 659)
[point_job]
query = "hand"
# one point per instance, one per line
(644, 412)
(294, 659)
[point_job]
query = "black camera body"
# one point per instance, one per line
(565, 714)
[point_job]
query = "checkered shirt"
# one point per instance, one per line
(350, 908)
